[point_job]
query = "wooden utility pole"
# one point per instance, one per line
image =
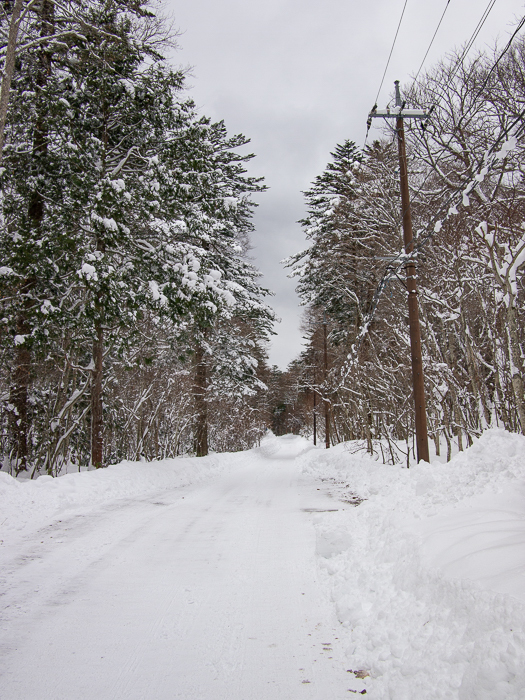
(326, 401)
(400, 114)
(315, 410)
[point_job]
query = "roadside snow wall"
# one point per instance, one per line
(428, 573)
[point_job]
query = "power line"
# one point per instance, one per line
(426, 234)
(432, 40)
(460, 60)
(473, 38)
(489, 164)
(507, 47)
(369, 122)
(509, 43)
(475, 33)
(391, 51)
(462, 57)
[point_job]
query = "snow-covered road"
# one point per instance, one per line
(203, 592)
(280, 573)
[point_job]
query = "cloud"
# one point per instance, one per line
(298, 77)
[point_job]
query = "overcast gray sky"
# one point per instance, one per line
(300, 76)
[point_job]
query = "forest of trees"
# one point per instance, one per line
(133, 324)
(466, 172)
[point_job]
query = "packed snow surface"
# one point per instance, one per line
(282, 573)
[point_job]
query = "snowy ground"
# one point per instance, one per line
(282, 573)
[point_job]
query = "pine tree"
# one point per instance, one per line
(214, 203)
(121, 206)
(327, 271)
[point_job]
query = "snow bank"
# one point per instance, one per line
(422, 571)
(27, 505)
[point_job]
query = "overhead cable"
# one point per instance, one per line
(515, 129)
(369, 122)
(432, 41)
(495, 64)
(391, 50)
(473, 37)
(507, 47)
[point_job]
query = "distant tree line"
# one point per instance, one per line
(467, 167)
(132, 322)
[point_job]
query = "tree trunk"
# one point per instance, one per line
(334, 426)
(500, 402)
(477, 387)
(21, 375)
(97, 421)
(18, 398)
(516, 365)
(458, 420)
(366, 427)
(9, 68)
(436, 443)
(200, 405)
(446, 431)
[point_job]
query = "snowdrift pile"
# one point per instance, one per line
(428, 573)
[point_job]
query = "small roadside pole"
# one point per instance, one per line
(399, 113)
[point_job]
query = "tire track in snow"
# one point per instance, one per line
(209, 597)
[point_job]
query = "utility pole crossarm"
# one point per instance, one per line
(398, 113)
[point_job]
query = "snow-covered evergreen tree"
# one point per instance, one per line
(121, 206)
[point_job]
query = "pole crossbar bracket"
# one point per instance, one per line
(399, 114)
